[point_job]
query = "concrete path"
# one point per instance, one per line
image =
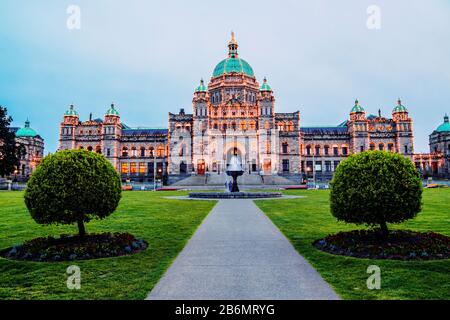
(238, 254)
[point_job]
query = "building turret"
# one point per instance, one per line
(357, 127)
(404, 129)
(67, 129)
(112, 131)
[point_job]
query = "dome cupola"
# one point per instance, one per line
(112, 111)
(201, 87)
(357, 107)
(26, 131)
(233, 64)
(71, 112)
(445, 127)
(265, 86)
(399, 107)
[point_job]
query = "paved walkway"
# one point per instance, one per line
(238, 254)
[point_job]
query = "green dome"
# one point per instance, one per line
(71, 112)
(265, 86)
(26, 131)
(201, 87)
(112, 111)
(230, 65)
(445, 127)
(399, 107)
(357, 107)
(233, 64)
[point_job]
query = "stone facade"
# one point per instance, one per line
(34, 150)
(235, 112)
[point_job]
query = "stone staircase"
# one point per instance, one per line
(191, 181)
(246, 179)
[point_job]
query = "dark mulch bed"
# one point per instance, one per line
(400, 245)
(68, 248)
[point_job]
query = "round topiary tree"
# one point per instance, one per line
(73, 186)
(376, 188)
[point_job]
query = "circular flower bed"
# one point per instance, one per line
(399, 245)
(67, 248)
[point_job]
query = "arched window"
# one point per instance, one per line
(280, 126)
(98, 149)
(335, 150)
(233, 125)
(317, 150)
(268, 147)
(266, 125)
(124, 152)
(252, 125)
(151, 151)
(326, 150)
(372, 146)
(243, 125)
(381, 146)
(142, 152)
(89, 148)
(344, 150)
(308, 150)
(133, 152)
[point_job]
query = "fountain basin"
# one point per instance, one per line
(234, 195)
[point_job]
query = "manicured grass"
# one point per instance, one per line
(165, 224)
(306, 219)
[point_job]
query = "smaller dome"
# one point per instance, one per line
(399, 107)
(357, 107)
(71, 112)
(26, 131)
(265, 86)
(445, 127)
(112, 111)
(201, 87)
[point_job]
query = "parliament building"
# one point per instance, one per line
(236, 112)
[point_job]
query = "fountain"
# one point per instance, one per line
(234, 170)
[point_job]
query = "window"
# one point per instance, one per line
(372, 146)
(89, 148)
(142, 152)
(390, 147)
(151, 150)
(142, 167)
(252, 125)
(328, 166)
(124, 168)
(326, 150)
(406, 148)
(160, 151)
(132, 167)
(361, 149)
(317, 150)
(243, 125)
(267, 147)
(124, 152)
(133, 152)
(336, 163)
(308, 150)
(108, 152)
(381, 147)
(285, 165)
(266, 126)
(285, 147)
(344, 151)
(335, 151)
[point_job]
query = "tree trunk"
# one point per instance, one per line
(81, 229)
(384, 229)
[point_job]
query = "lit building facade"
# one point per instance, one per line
(236, 113)
(34, 150)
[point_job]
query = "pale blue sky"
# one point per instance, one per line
(148, 56)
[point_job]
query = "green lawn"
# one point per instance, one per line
(306, 219)
(165, 224)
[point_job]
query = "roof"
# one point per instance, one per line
(144, 131)
(26, 131)
(324, 129)
(265, 86)
(445, 127)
